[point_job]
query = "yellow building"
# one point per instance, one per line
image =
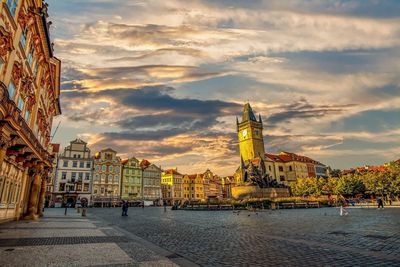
(29, 99)
(172, 186)
(194, 187)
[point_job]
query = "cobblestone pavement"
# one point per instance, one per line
(301, 237)
(73, 240)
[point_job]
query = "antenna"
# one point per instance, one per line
(55, 131)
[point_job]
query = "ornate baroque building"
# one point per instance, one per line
(73, 179)
(29, 99)
(107, 176)
(131, 182)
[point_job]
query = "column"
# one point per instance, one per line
(34, 194)
(42, 195)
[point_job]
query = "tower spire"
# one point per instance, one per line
(259, 118)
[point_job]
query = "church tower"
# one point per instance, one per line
(250, 136)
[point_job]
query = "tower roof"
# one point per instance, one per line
(248, 114)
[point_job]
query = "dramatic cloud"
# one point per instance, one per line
(164, 80)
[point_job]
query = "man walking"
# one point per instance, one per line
(125, 208)
(380, 203)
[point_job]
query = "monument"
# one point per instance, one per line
(252, 178)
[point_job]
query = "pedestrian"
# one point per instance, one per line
(380, 203)
(343, 203)
(165, 205)
(125, 206)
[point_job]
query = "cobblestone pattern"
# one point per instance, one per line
(308, 237)
(69, 240)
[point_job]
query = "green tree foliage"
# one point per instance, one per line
(350, 185)
(308, 186)
(373, 182)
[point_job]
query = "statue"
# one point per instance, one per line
(256, 174)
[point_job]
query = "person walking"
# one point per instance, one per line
(125, 208)
(380, 203)
(343, 203)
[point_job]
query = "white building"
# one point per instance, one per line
(73, 179)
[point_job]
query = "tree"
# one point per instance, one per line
(350, 185)
(329, 187)
(310, 186)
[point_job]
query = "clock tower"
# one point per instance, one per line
(250, 136)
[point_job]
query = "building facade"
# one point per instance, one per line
(29, 99)
(131, 182)
(49, 198)
(106, 176)
(73, 179)
(151, 182)
(172, 186)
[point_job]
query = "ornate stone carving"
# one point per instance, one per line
(30, 102)
(27, 87)
(6, 44)
(25, 18)
(16, 72)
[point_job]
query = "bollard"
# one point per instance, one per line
(83, 212)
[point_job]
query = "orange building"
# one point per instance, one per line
(29, 99)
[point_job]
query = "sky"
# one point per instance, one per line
(164, 80)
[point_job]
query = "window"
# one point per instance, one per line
(290, 168)
(11, 90)
(62, 187)
(97, 168)
(117, 169)
(110, 168)
(27, 115)
(22, 39)
(97, 177)
(282, 178)
(88, 164)
(20, 104)
(12, 6)
(104, 168)
(63, 175)
(102, 190)
(65, 163)
(74, 163)
(81, 164)
(74, 156)
(80, 176)
(30, 57)
(73, 177)
(86, 187)
(280, 168)
(116, 178)
(87, 176)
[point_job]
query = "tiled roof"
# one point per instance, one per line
(124, 161)
(145, 163)
(172, 171)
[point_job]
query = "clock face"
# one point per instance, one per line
(244, 133)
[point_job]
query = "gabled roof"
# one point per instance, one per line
(145, 163)
(124, 161)
(172, 171)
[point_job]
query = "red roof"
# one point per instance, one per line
(172, 171)
(145, 163)
(56, 148)
(124, 161)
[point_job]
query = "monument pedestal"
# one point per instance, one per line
(252, 191)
